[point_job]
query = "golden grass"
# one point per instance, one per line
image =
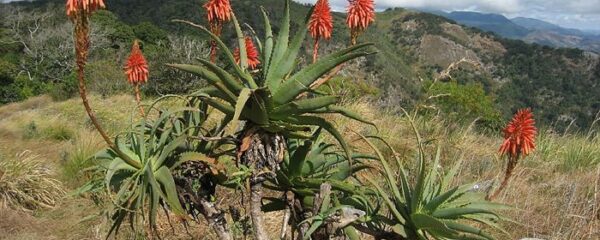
(555, 191)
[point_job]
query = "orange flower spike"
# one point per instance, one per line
(136, 67)
(321, 24)
(519, 135)
(87, 6)
(251, 52)
(361, 13)
(218, 10)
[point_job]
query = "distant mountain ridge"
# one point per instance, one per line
(490, 22)
(528, 29)
(536, 25)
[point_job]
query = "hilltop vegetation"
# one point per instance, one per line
(561, 85)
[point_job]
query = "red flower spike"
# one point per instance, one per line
(218, 11)
(88, 6)
(251, 52)
(361, 13)
(136, 67)
(519, 135)
(321, 24)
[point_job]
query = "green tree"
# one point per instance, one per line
(465, 103)
(119, 33)
(150, 34)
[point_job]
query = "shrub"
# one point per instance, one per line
(349, 90)
(150, 33)
(58, 131)
(50, 129)
(65, 89)
(464, 103)
(106, 77)
(30, 130)
(579, 153)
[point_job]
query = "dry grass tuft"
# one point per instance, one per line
(26, 184)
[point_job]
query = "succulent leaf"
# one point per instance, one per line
(239, 107)
(268, 48)
(210, 76)
(301, 81)
(288, 60)
(280, 47)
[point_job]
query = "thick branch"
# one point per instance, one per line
(256, 212)
(378, 234)
(216, 219)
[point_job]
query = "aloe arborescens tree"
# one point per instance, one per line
(271, 101)
(268, 136)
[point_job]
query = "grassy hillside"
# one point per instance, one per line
(554, 192)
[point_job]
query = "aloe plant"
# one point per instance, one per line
(272, 101)
(146, 182)
(309, 165)
(430, 207)
(169, 162)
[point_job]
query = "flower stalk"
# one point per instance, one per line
(82, 43)
(519, 141)
(79, 11)
(510, 167)
(138, 99)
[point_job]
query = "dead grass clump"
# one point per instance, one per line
(26, 184)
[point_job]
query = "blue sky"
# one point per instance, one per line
(581, 14)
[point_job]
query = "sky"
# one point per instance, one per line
(580, 14)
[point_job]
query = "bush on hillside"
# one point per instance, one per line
(465, 103)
